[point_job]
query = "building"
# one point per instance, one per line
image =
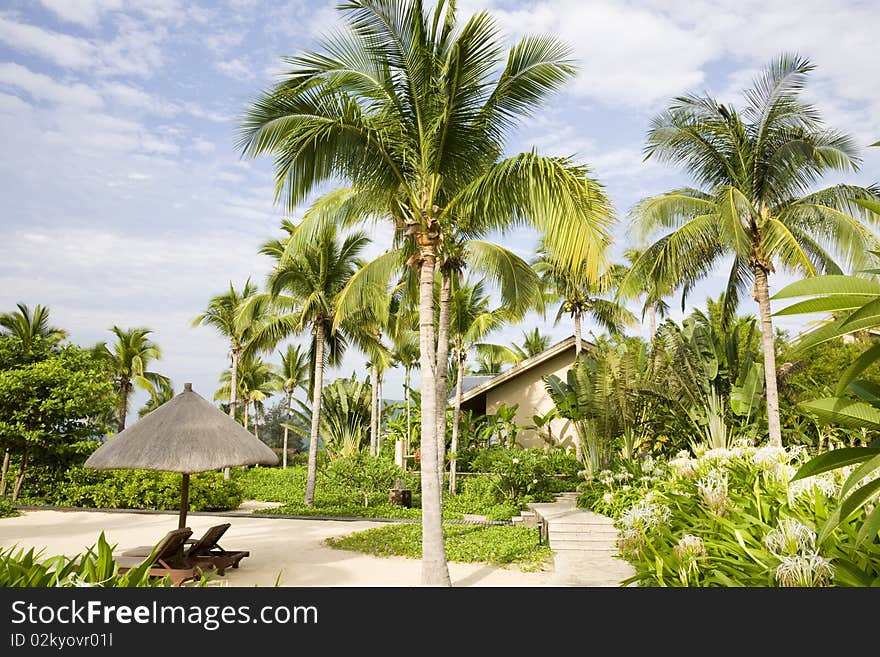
(523, 384)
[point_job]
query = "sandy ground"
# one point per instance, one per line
(293, 548)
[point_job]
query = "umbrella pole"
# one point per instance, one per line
(184, 501)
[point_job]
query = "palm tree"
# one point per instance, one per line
(256, 381)
(471, 320)
(221, 315)
(405, 352)
(303, 289)
(754, 169)
(161, 394)
(27, 326)
(533, 344)
(414, 111)
(649, 288)
(127, 360)
(491, 358)
(294, 375)
(582, 295)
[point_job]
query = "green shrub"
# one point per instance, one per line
(733, 517)
(143, 489)
(480, 495)
(467, 543)
(6, 508)
(363, 475)
(96, 567)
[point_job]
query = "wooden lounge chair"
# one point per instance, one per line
(205, 551)
(166, 558)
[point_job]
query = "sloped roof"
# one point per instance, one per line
(520, 368)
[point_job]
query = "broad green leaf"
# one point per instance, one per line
(859, 498)
(829, 285)
(831, 331)
(858, 474)
(869, 204)
(859, 365)
(846, 572)
(826, 304)
(870, 313)
(836, 458)
(867, 391)
(870, 527)
(844, 412)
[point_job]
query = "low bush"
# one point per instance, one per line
(142, 489)
(733, 517)
(96, 567)
(527, 475)
(467, 543)
(6, 508)
(480, 495)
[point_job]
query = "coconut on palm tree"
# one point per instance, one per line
(414, 110)
(127, 360)
(303, 289)
(28, 326)
(754, 202)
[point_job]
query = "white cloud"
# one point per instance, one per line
(81, 12)
(203, 146)
(44, 88)
(236, 68)
(61, 49)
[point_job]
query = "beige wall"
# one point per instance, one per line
(527, 390)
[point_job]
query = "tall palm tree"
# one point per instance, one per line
(754, 169)
(127, 360)
(471, 321)
(221, 315)
(414, 110)
(583, 295)
(295, 375)
(491, 358)
(649, 288)
(303, 289)
(256, 381)
(161, 394)
(27, 326)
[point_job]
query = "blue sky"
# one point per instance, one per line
(125, 201)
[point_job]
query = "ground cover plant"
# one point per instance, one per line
(468, 543)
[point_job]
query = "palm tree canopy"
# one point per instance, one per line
(130, 355)
(222, 313)
(26, 326)
(755, 169)
(414, 111)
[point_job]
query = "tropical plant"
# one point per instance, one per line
(295, 374)
(414, 111)
(470, 321)
(222, 316)
(26, 326)
(856, 301)
(345, 416)
(534, 343)
(162, 394)
(303, 291)
(755, 169)
(127, 360)
(491, 358)
(581, 294)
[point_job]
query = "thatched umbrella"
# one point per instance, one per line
(187, 434)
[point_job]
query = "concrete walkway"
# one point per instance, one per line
(583, 544)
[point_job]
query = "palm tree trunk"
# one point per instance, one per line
(435, 571)
(577, 334)
(256, 421)
(5, 471)
(22, 469)
(286, 429)
(443, 368)
(374, 408)
(247, 406)
(762, 296)
(456, 417)
(316, 412)
(652, 322)
(408, 413)
(379, 416)
(233, 395)
(125, 390)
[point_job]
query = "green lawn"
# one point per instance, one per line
(467, 543)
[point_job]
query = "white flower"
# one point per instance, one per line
(608, 498)
(515, 460)
(769, 456)
(691, 552)
(823, 482)
(646, 516)
(648, 464)
(713, 490)
(804, 570)
(631, 542)
(625, 487)
(683, 466)
(790, 537)
(718, 454)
